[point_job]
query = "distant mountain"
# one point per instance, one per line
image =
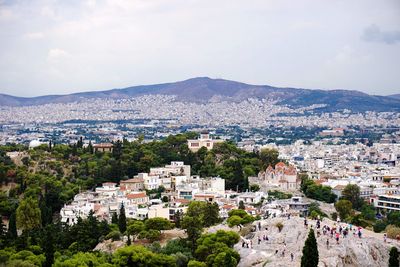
(204, 89)
(397, 96)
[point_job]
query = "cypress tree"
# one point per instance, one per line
(310, 251)
(394, 257)
(114, 218)
(48, 245)
(12, 226)
(122, 219)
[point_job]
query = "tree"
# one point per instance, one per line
(344, 208)
(269, 157)
(114, 218)
(211, 214)
(394, 218)
(28, 214)
(194, 263)
(394, 257)
(193, 228)
(254, 187)
(352, 193)
(141, 256)
(310, 256)
(158, 224)
(234, 220)
(122, 219)
(12, 227)
(241, 205)
(48, 245)
(135, 228)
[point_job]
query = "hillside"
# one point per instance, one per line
(204, 89)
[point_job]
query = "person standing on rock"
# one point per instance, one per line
(327, 243)
(291, 256)
(337, 238)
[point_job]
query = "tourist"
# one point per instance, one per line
(337, 238)
(384, 237)
(291, 256)
(327, 243)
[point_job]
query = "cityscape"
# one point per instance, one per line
(291, 159)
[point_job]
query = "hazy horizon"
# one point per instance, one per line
(120, 88)
(58, 47)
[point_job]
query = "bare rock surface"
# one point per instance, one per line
(352, 251)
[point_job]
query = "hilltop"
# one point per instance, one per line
(204, 89)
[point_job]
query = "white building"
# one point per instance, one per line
(203, 141)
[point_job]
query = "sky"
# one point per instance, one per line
(58, 47)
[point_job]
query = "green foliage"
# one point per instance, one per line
(269, 157)
(25, 257)
(344, 208)
(368, 212)
(122, 219)
(310, 255)
(254, 187)
(28, 214)
(217, 249)
(352, 193)
(193, 228)
(394, 218)
(194, 263)
(151, 235)
(135, 227)
(279, 195)
(392, 231)
(315, 211)
(140, 256)
(234, 216)
(394, 257)
(315, 191)
(113, 235)
(174, 246)
(234, 220)
(81, 259)
(158, 224)
(379, 226)
(208, 213)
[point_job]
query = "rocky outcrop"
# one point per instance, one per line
(351, 251)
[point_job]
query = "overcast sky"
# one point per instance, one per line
(54, 47)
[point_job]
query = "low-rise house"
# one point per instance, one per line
(103, 147)
(134, 184)
(251, 197)
(138, 198)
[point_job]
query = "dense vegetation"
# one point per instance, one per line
(42, 180)
(316, 191)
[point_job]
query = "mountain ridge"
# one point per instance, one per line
(203, 89)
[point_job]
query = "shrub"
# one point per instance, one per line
(379, 226)
(113, 235)
(279, 225)
(392, 231)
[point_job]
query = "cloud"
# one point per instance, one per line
(33, 35)
(56, 54)
(374, 34)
